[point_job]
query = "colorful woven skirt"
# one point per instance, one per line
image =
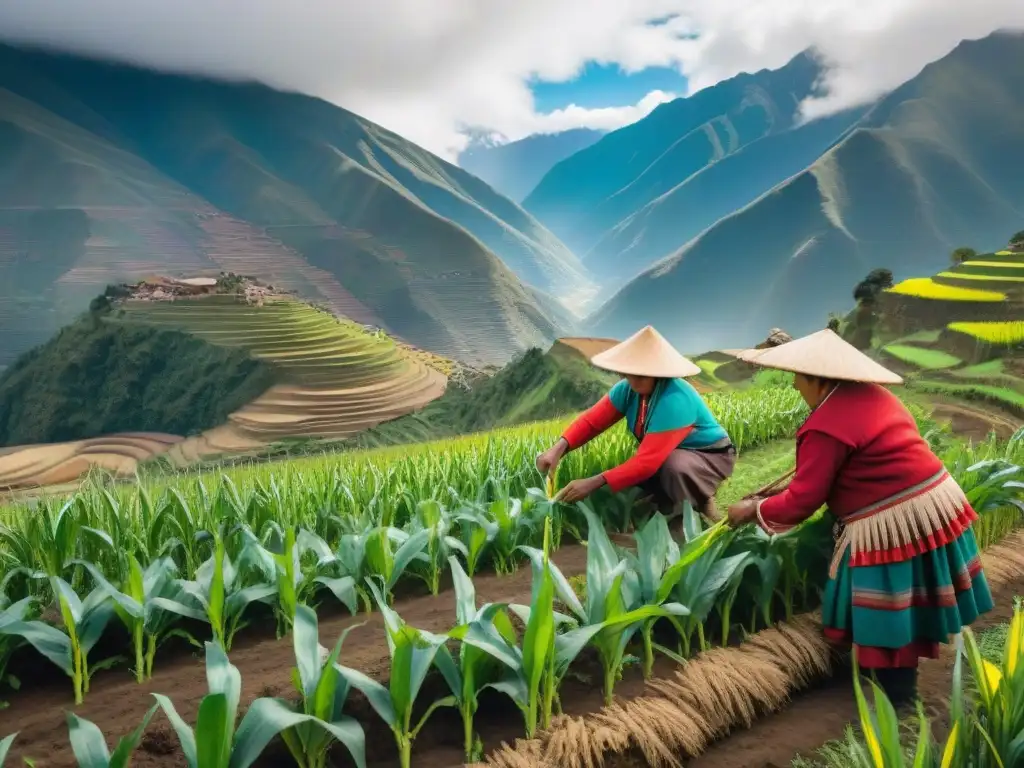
(897, 613)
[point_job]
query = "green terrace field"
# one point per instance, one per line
(960, 334)
(331, 379)
(397, 551)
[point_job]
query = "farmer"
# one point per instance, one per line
(905, 575)
(683, 454)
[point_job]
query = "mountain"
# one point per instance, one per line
(110, 173)
(515, 168)
(637, 180)
(932, 166)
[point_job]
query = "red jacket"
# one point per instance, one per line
(861, 445)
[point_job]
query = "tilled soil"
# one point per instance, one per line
(822, 714)
(116, 703)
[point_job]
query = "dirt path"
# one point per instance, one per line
(822, 714)
(975, 422)
(116, 703)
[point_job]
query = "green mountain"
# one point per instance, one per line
(515, 168)
(644, 190)
(98, 378)
(110, 173)
(932, 166)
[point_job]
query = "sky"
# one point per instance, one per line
(437, 70)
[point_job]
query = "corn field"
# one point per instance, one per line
(199, 556)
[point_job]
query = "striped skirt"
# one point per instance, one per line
(897, 613)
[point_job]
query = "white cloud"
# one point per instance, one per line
(431, 70)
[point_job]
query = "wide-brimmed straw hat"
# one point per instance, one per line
(645, 353)
(823, 354)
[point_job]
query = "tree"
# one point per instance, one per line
(960, 255)
(834, 322)
(1017, 241)
(867, 290)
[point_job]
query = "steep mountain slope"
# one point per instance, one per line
(193, 377)
(146, 172)
(932, 166)
(589, 197)
(514, 169)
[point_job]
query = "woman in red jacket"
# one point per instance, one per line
(683, 452)
(906, 575)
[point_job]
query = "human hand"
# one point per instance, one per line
(743, 512)
(547, 461)
(579, 489)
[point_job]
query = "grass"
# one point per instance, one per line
(927, 288)
(921, 357)
(1005, 333)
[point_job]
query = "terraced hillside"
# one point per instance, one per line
(331, 379)
(933, 165)
(199, 177)
(960, 334)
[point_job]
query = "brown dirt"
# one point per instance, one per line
(975, 423)
(116, 703)
(822, 714)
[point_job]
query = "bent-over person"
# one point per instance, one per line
(906, 575)
(683, 453)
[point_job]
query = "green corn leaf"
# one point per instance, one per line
(47, 640)
(186, 737)
(376, 694)
(343, 588)
(87, 743)
(5, 747)
(214, 730)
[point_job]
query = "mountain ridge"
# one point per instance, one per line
(927, 168)
(187, 175)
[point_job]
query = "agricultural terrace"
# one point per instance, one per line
(1002, 334)
(253, 566)
(927, 288)
(335, 379)
(922, 357)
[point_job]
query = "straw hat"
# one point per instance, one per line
(645, 353)
(823, 354)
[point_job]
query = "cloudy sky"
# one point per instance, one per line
(434, 69)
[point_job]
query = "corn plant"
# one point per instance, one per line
(413, 652)
(474, 668)
(294, 586)
(477, 532)
(992, 734)
(218, 592)
(659, 565)
(147, 607)
(433, 518)
(323, 691)
(216, 741)
(883, 747)
(514, 530)
(535, 665)
(90, 747)
(613, 602)
(18, 612)
(84, 622)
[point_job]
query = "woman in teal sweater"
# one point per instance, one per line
(683, 453)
